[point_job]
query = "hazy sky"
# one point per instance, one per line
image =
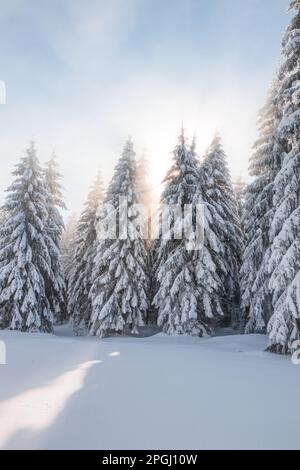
(82, 75)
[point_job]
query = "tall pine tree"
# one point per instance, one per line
(265, 163)
(188, 284)
(25, 259)
(284, 264)
(218, 192)
(120, 289)
(54, 228)
(80, 280)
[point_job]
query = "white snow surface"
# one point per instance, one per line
(159, 392)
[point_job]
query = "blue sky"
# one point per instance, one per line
(82, 75)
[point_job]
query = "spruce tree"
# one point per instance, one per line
(25, 260)
(55, 287)
(218, 192)
(120, 289)
(284, 264)
(80, 281)
(188, 284)
(256, 302)
(211, 268)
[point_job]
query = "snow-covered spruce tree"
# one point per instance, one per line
(80, 281)
(209, 266)
(256, 301)
(120, 289)
(188, 283)
(25, 260)
(218, 192)
(55, 287)
(284, 264)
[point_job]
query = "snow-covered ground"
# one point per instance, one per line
(159, 392)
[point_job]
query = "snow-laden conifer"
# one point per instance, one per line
(189, 291)
(256, 300)
(55, 287)
(218, 192)
(284, 263)
(25, 260)
(80, 279)
(120, 289)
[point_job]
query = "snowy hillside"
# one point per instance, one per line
(158, 392)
